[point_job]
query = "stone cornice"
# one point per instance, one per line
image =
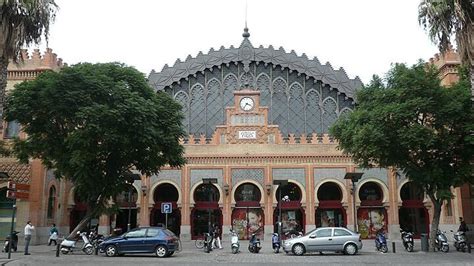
(267, 159)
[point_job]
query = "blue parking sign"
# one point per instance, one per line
(166, 207)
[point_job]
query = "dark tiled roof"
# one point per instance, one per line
(19, 173)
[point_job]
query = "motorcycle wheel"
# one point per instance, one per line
(235, 250)
(65, 252)
(462, 247)
(384, 249)
(89, 250)
(445, 248)
(410, 247)
(276, 250)
(250, 249)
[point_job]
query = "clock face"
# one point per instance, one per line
(246, 103)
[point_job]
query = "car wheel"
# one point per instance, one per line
(350, 249)
(161, 251)
(298, 249)
(111, 251)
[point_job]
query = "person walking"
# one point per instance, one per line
(53, 235)
(29, 228)
(462, 226)
(216, 241)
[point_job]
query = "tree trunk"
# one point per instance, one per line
(472, 82)
(80, 226)
(3, 85)
(435, 222)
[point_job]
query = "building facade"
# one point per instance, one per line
(257, 149)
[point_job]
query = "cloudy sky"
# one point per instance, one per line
(364, 36)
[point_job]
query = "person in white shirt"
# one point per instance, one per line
(28, 231)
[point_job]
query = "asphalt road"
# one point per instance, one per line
(44, 255)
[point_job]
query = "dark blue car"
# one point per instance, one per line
(157, 240)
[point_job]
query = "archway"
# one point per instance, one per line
(166, 192)
(247, 216)
(206, 210)
(6, 209)
(292, 214)
(413, 215)
(371, 216)
(78, 212)
(127, 203)
(330, 211)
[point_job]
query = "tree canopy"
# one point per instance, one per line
(409, 121)
(92, 123)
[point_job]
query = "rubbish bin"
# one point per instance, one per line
(424, 242)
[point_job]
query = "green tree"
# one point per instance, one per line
(23, 22)
(444, 19)
(92, 123)
(412, 123)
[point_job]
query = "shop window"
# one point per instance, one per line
(329, 191)
(370, 191)
(166, 193)
(206, 192)
(51, 202)
(247, 192)
(291, 190)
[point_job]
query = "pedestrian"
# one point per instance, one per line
(53, 235)
(28, 231)
(216, 241)
(462, 226)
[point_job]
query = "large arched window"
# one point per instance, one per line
(329, 191)
(291, 190)
(51, 202)
(410, 191)
(166, 193)
(370, 191)
(206, 193)
(247, 192)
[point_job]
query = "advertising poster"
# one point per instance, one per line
(327, 218)
(246, 222)
(369, 221)
(289, 222)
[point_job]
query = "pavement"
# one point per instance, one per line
(190, 255)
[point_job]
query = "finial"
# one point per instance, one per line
(246, 33)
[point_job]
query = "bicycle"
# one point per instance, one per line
(199, 243)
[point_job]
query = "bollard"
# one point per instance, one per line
(57, 250)
(96, 250)
(393, 247)
(469, 247)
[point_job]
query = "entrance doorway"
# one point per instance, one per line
(206, 211)
(371, 216)
(166, 193)
(292, 215)
(128, 211)
(330, 211)
(248, 217)
(413, 215)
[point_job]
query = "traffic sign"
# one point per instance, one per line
(166, 207)
(17, 191)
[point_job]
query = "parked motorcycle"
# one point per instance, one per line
(460, 241)
(254, 244)
(234, 242)
(407, 240)
(69, 245)
(14, 242)
(276, 243)
(207, 242)
(95, 239)
(441, 241)
(381, 242)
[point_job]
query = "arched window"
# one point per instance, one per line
(165, 193)
(51, 202)
(206, 192)
(329, 191)
(370, 191)
(291, 190)
(410, 191)
(247, 192)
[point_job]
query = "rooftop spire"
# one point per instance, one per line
(246, 33)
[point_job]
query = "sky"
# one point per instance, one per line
(363, 36)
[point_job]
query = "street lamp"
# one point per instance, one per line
(131, 177)
(209, 181)
(280, 184)
(354, 177)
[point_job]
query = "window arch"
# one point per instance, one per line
(247, 192)
(51, 202)
(291, 190)
(329, 191)
(371, 191)
(206, 193)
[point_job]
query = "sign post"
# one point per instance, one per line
(166, 207)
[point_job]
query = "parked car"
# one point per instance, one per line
(162, 242)
(325, 239)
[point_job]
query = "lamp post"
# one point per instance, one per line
(354, 177)
(280, 184)
(209, 182)
(130, 179)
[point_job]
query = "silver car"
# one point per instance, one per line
(325, 239)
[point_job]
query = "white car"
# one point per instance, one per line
(325, 239)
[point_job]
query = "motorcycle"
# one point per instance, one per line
(254, 244)
(95, 239)
(234, 242)
(14, 242)
(407, 240)
(460, 241)
(381, 242)
(441, 241)
(69, 245)
(276, 243)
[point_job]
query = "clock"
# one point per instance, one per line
(246, 103)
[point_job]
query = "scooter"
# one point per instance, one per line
(381, 242)
(460, 241)
(441, 241)
(207, 242)
(254, 244)
(69, 245)
(234, 242)
(407, 240)
(276, 243)
(14, 242)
